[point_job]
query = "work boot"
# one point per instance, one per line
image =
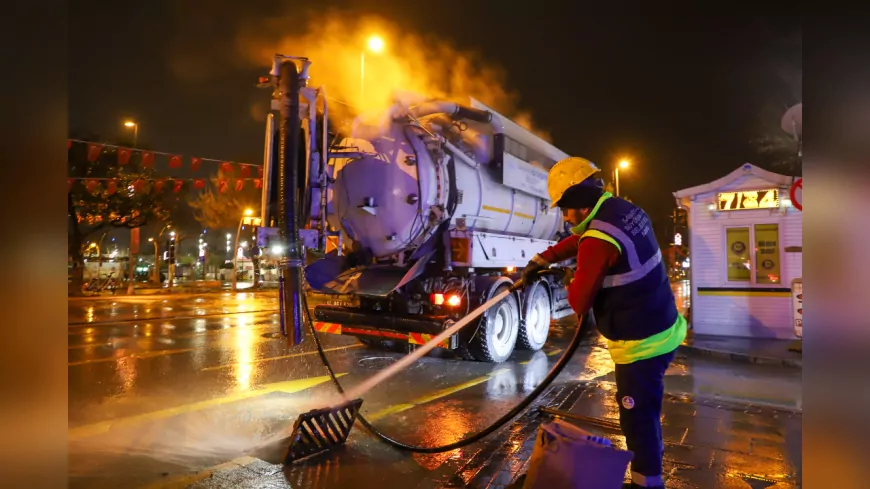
(518, 484)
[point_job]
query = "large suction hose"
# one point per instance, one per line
(288, 189)
(554, 372)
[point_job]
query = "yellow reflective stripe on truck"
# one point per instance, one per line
(506, 211)
(496, 209)
(423, 338)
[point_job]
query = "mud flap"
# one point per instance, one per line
(321, 430)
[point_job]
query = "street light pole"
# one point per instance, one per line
(155, 275)
(616, 172)
(157, 280)
(99, 256)
(248, 213)
(135, 126)
(622, 164)
(173, 253)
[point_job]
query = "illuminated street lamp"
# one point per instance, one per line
(623, 165)
(246, 219)
(375, 44)
(135, 127)
(155, 276)
(95, 245)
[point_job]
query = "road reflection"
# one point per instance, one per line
(683, 295)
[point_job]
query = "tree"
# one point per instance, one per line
(214, 262)
(113, 196)
(775, 147)
(784, 76)
(222, 210)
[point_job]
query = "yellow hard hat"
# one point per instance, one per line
(567, 173)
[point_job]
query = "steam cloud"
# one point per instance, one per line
(334, 41)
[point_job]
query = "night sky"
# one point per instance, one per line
(680, 91)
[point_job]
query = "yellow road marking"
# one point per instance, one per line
(398, 408)
(288, 387)
(253, 327)
(137, 356)
(112, 322)
(80, 347)
(127, 339)
(189, 480)
(293, 355)
(549, 354)
(525, 216)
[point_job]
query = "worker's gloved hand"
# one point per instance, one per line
(568, 276)
(530, 273)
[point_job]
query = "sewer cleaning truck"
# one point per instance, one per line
(414, 215)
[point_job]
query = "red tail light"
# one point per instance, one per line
(437, 299)
(453, 300)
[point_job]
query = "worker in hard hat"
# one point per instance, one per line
(621, 277)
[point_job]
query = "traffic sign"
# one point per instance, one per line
(793, 193)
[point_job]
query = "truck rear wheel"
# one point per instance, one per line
(496, 336)
(535, 326)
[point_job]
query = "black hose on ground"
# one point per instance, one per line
(554, 372)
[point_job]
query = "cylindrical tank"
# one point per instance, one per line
(395, 200)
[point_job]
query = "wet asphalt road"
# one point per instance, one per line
(160, 387)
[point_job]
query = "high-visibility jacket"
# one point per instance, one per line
(635, 309)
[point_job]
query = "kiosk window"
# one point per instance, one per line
(767, 254)
(737, 254)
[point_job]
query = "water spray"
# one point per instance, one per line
(312, 434)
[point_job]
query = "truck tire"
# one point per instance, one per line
(494, 339)
(537, 313)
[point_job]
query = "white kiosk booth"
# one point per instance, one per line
(742, 229)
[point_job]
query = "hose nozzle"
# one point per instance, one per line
(517, 285)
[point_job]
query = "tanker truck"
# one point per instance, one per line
(418, 213)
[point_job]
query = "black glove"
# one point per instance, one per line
(530, 273)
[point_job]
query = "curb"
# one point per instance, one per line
(740, 357)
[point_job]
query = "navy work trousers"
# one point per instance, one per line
(639, 390)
